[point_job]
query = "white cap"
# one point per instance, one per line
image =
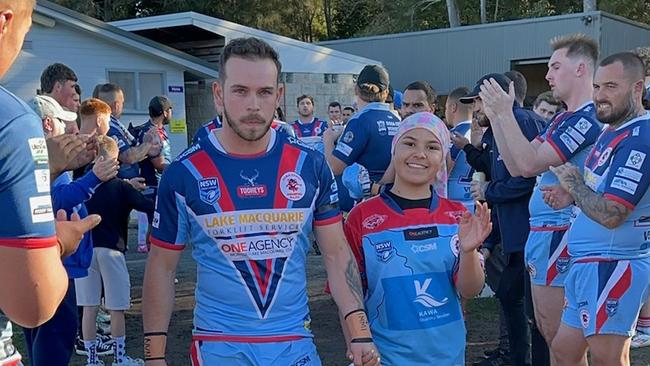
(46, 106)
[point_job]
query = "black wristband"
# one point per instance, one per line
(155, 334)
(153, 358)
(361, 340)
(354, 311)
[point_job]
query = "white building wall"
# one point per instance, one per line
(91, 57)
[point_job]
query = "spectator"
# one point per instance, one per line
(546, 106)
(130, 153)
(509, 198)
(114, 201)
(347, 114)
(59, 82)
(458, 117)
(419, 96)
(334, 113)
(52, 342)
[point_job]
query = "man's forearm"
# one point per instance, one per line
(157, 306)
(608, 213)
(344, 280)
(515, 149)
(328, 150)
(135, 154)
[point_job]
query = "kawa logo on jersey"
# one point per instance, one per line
(258, 244)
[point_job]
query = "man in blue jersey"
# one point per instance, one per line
(546, 105)
(130, 152)
(367, 136)
(458, 116)
(568, 137)
(609, 240)
(247, 198)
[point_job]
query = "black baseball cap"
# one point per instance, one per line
(502, 80)
(374, 74)
(158, 105)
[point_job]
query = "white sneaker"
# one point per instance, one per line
(640, 339)
(98, 363)
(128, 361)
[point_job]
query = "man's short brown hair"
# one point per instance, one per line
(107, 147)
(547, 97)
(250, 48)
(644, 55)
(577, 45)
(94, 106)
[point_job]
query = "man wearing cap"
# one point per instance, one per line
(509, 198)
(52, 342)
(367, 136)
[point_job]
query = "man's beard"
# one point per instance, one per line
(250, 136)
(302, 114)
(618, 116)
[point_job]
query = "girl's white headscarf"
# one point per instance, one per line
(429, 122)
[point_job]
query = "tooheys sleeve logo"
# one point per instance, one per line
(209, 190)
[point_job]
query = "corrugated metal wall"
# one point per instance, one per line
(619, 34)
(448, 58)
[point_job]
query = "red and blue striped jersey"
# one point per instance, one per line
(248, 219)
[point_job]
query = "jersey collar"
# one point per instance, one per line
(395, 207)
(217, 145)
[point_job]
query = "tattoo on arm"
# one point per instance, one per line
(605, 212)
(354, 281)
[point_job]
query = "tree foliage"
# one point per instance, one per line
(314, 20)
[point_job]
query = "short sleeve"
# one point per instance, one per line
(352, 142)
(25, 185)
(122, 142)
(629, 172)
(170, 220)
(572, 136)
(327, 203)
(354, 237)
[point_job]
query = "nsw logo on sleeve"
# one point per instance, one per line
(420, 301)
(209, 190)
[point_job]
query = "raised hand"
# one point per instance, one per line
(137, 183)
(473, 229)
(496, 102)
(459, 140)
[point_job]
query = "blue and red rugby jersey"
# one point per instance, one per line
(248, 219)
(24, 177)
(618, 167)
(408, 260)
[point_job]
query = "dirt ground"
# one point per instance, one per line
(481, 319)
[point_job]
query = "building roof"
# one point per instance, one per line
(296, 56)
(48, 13)
(479, 27)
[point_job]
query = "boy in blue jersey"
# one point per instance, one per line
(368, 134)
(417, 253)
(609, 279)
(568, 137)
(247, 198)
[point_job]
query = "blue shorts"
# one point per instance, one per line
(301, 352)
(547, 256)
(605, 297)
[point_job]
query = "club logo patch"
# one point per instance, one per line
(373, 221)
(292, 186)
(348, 137)
(454, 244)
(603, 158)
(584, 318)
(611, 306)
(562, 264)
(209, 190)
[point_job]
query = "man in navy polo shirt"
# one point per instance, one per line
(367, 137)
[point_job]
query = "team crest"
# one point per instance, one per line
(584, 318)
(209, 190)
(611, 306)
(562, 264)
(454, 244)
(348, 137)
(373, 221)
(603, 158)
(292, 186)
(384, 251)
